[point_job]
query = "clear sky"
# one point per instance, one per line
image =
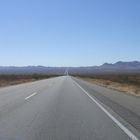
(69, 32)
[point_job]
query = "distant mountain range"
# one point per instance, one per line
(106, 68)
(122, 65)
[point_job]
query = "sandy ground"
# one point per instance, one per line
(127, 88)
(4, 83)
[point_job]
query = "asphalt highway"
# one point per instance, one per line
(66, 108)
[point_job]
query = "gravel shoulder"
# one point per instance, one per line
(124, 87)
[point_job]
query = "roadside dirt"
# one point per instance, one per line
(4, 83)
(127, 88)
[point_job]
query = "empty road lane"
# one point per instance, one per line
(60, 109)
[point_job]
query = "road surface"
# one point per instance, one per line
(65, 108)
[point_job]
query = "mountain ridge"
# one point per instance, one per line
(118, 67)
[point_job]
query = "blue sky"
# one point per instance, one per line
(69, 32)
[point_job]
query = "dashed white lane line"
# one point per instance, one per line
(127, 131)
(31, 95)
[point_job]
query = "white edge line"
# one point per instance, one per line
(31, 95)
(127, 131)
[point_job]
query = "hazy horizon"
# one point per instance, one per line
(69, 33)
(63, 66)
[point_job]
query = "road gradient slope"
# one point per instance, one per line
(57, 109)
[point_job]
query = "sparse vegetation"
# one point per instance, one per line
(121, 78)
(6, 80)
(129, 83)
